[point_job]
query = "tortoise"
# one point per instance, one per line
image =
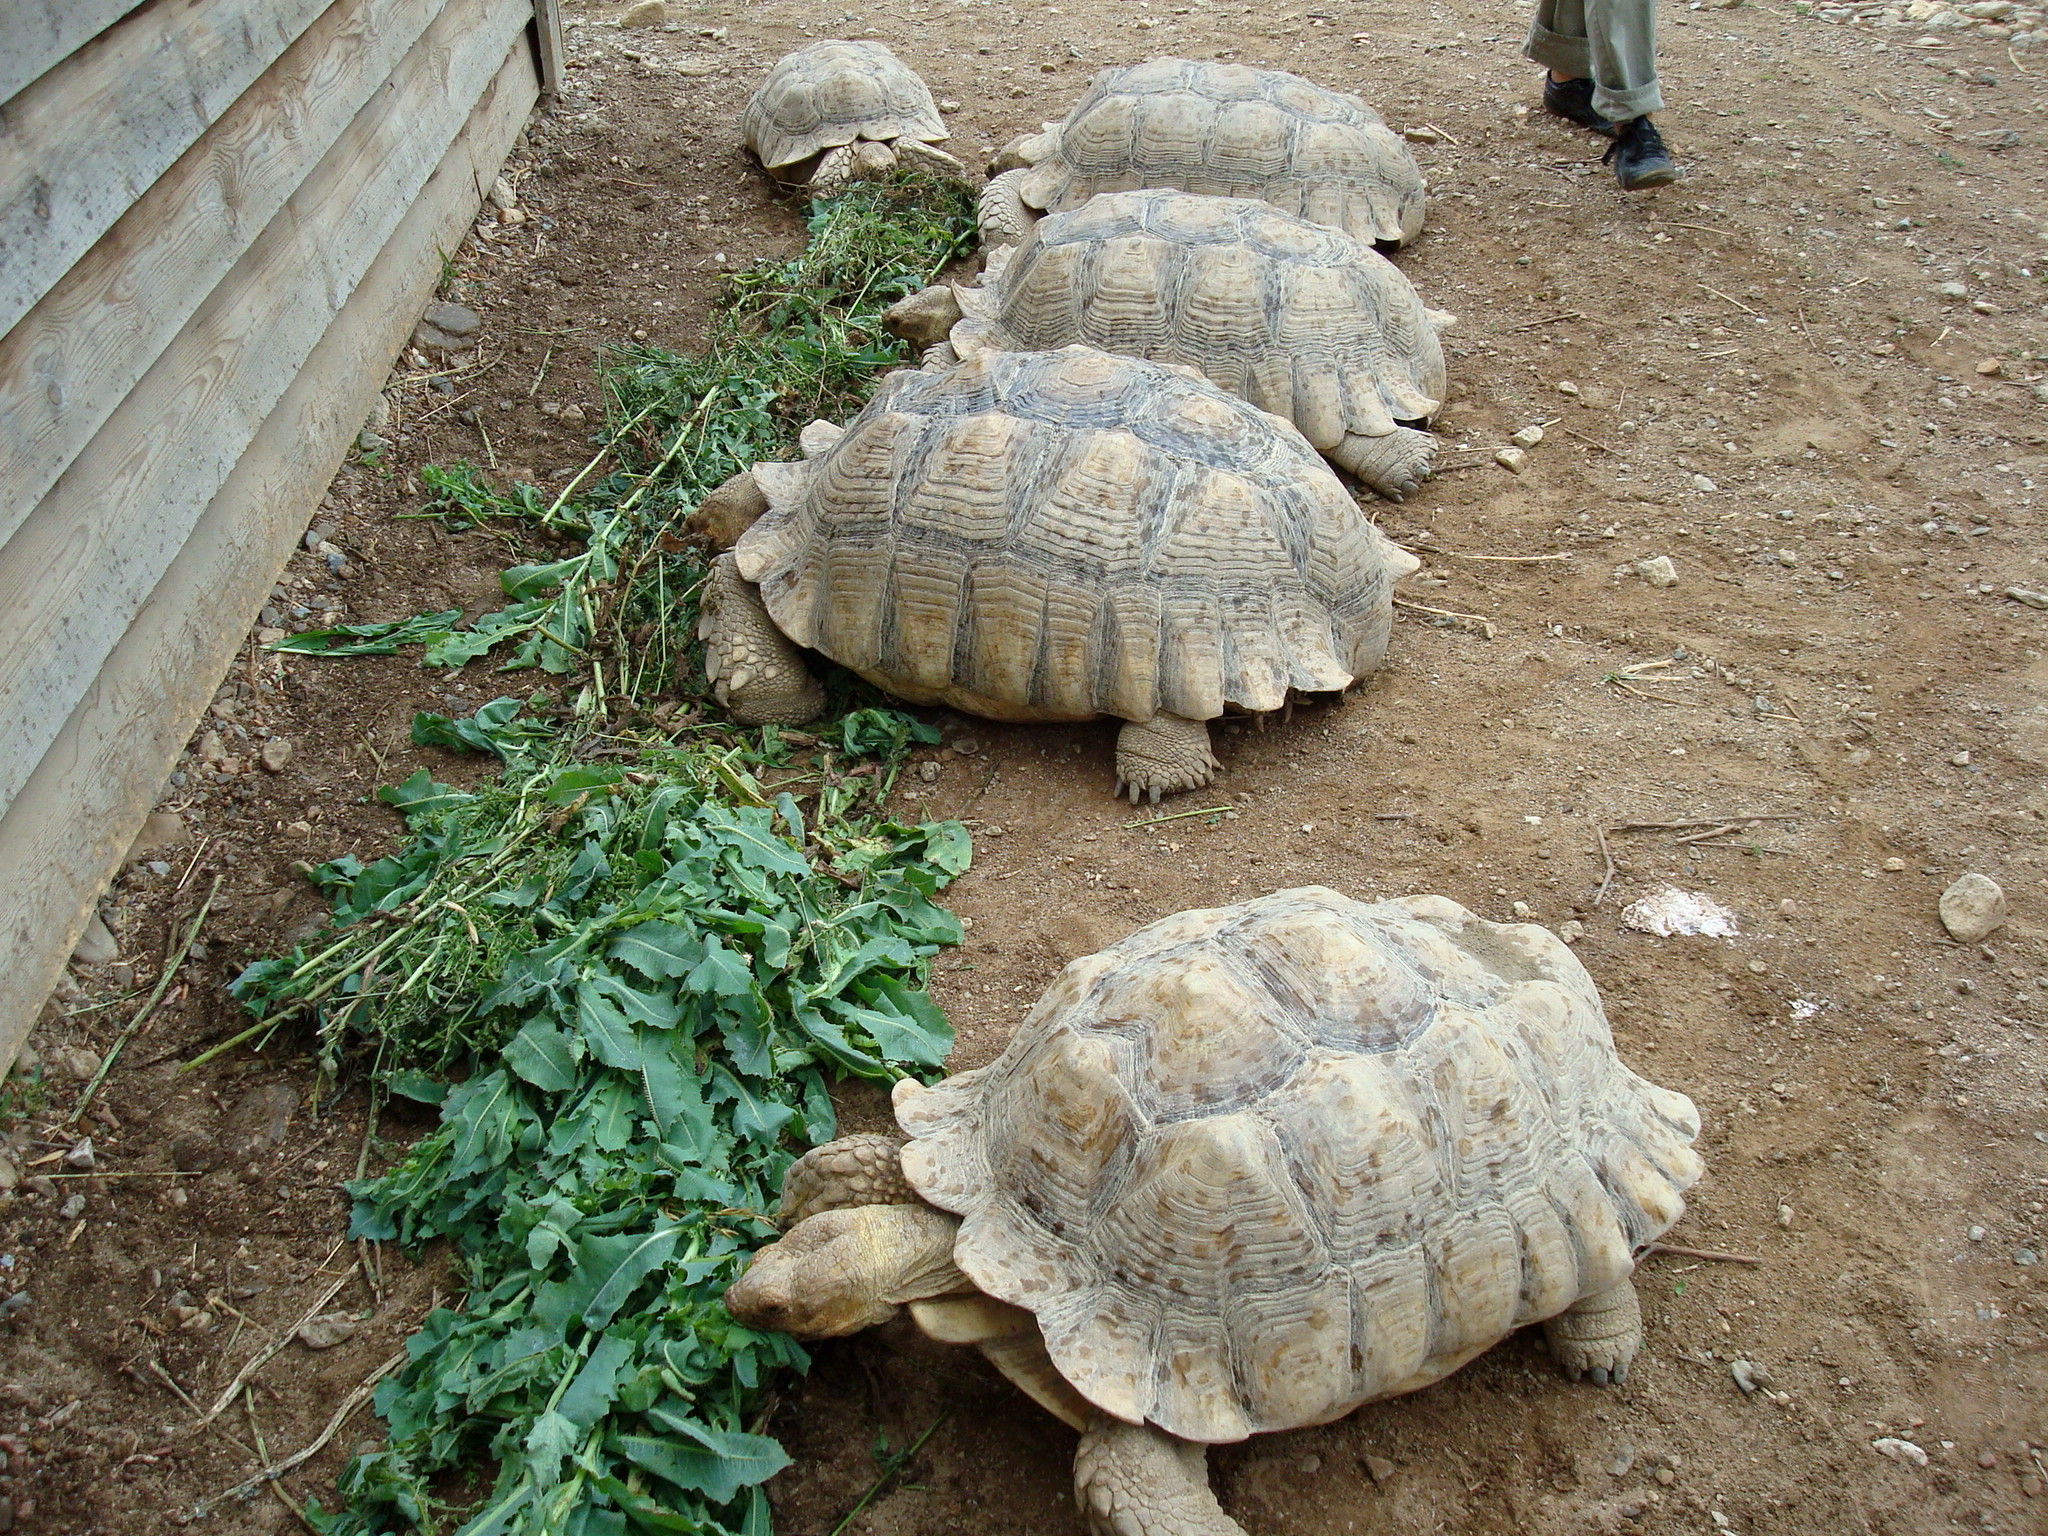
(1052, 536)
(852, 107)
(1300, 319)
(1221, 129)
(1245, 1170)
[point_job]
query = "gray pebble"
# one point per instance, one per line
(81, 1157)
(1703, 485)
(73, 1208)
(2025, 1257)
(1972, 908)
(1624, 1460)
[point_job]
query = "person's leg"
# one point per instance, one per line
(1557, 37)
(1621, 45)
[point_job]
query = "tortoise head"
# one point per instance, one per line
(839, 1271)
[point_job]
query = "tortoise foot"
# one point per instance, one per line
(1163, 756)
(1597, 1338)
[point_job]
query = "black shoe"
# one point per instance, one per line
(1639, 157)
(1573, 100)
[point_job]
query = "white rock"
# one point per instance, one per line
(1526, 437)
(1513, 460)
(1900, 1450)
(1671, 913)
(648, 13)
(2031, 599)
(1658, 571)
(1703, 485)
(327, 1330)
(1953, 291)
(96, 945)
(502, 195)
(1422, 135)
(1972, 908)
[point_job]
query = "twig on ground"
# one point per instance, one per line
(546, 358)
(1485, 624)
(1717, 293)
(1585, 439)
(1627, 687)
(142, 1017)
(1207, 810)
(1700, 229)
(1715, 1254)
(1607, 875)
(889, 1474)
(262, 1356)
(263, 1461)
(1720, 831)
(1459, 554)
(1703, 821)
(1530, 325)
(1432, 127)
(349, 1405)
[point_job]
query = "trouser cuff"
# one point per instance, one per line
(1622, 106)
(1571, 56)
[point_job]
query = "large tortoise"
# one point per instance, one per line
(854, 107)
(1222, 129)
(1245, 1170)
(1298, 318)
(1053, 536)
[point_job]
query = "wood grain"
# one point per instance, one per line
(70, 825)
(36, 35)
(547, 40)
(78, 569)
(75, 356)
(87, 138)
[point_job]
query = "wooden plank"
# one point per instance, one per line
(78, 353)
(75, 573)
(84, 141)
(36, 35)
(68, 830)
(547, 41)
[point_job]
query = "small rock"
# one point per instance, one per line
(371, 442)
(1990, 367)
(2026, 1258)
(1972, 908)
(1310, 1464)
(1378, 1468)
(73, 1208)
(2031, 599)
(1895, 866)
(929, 772)
(1978, 1234)
(82, 1158)
(96, 944)
(1955, 760)
(9, 1174)
(277, 752)
(1526, 437)
(1513, 460)
(1571, 930)
(40, 1184)
(1785, 1216)
(8, 1308)
(571, 416)
(948, 104)
(1748, 1376)
(502, 195)
(1658, 571)
(1624, 1461)
(647, 13)
(1422, 135)
(164, 829)
(195, 1152)
(1567, 387)
(332, 1328)
(1953, 291)
(1703, 485)
(457, 320)
(1987, 1459)
(1899, 1450)
(82, 1064)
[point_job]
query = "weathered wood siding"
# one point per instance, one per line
(218, 222)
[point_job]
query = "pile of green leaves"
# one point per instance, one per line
(626, 970)
(791, 341)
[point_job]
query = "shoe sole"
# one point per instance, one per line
(1603, 127)
(1651, 180)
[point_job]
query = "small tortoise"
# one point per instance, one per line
(1053, 536)
(1220, 129)
(1245, 1170)
(856, 107)
(1300, 319)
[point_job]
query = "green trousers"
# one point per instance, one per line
(1611, 42)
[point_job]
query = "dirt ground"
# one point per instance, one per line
(1810, 375)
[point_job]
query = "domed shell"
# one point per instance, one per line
(832, 93)
(1230, 131)
(1256, 1165)
(1060, 535)
(1301, 320)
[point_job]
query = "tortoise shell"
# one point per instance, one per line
(1256, 1165)
(832, 93)
(1061, 535)
(1300, 319)
(1230, 131)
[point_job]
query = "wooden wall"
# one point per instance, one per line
(219, 220)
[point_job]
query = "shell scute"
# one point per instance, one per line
(835, 92)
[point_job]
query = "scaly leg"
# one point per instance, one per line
(920, 156)
(1598, 1335)
(1004, 218)
(755, 670)
(1163, 756)
(1134, 1480)
(862, 1169)
(1393, 465)
(833, 172)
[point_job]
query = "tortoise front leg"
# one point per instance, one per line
(1004, 218)
(1135, 1480)
(1163, 756)
(1598, 1335)
(755, 670)
(1392, 465)
(863, 1169)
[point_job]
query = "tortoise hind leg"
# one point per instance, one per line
(1598, 1335)
(1004, 218)
(1393, 464)
(1163, 756)
(755, 670)
(1135, 1480)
